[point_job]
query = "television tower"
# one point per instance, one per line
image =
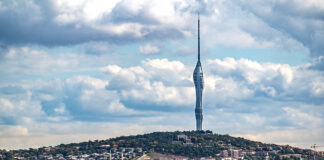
(199, 85)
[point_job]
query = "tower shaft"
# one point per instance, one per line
(199, 86)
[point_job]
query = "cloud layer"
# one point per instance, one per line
(253, 24)
(64, 22)
(82, 68)
(263, 97)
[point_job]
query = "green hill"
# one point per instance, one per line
(191, 144)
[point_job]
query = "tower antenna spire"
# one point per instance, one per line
(198, 37)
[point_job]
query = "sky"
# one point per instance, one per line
(73, 71)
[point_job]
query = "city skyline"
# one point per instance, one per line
(73, 71)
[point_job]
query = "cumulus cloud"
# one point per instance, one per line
(29, 61)
(12, 131)
(277, 80)
(17, 63)
(81, 98)
(55, 23)
(158, 82)
(261, 96)
(64, 23)
(256, 94)
(17, 108)
(77, 98)
(149, 49)
(41, 87)
(300, 20)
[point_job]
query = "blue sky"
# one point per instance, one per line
(74, 71)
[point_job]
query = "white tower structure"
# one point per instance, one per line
(199, 85)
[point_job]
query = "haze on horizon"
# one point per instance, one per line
(73, 71)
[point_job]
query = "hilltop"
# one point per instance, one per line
(190, 144)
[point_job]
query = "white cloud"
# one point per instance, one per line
(318, 88)
(155, 81)
(159, 94)
(303, 22)
(52, 85)
(293, 137)
(302, 118)
(87, 95)
(117, 107)
(29, 61)
(5, 104)
(149, 49)
(82, 11)
(18, 107)
(164, 64)
(93, 82)
(260, 97)
(60, 109)
(235, 24)
(85, 21)
(163, 82)
(50, 134)
(12, 131)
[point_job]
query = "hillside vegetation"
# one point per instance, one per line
(185, 143)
